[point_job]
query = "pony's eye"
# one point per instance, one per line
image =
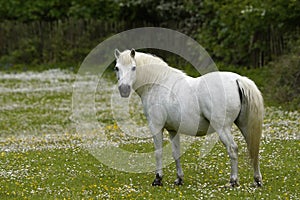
(116, 69)
(133, 68)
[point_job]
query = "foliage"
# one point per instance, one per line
(63, 41)
(283, 84)
(235, 30)
(160, 12)
(247, 32)
(51, 10)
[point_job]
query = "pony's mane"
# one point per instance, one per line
(150, 69)
(143, 59)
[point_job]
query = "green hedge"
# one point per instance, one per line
(239, 32)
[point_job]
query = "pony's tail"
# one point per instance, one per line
(253, 112)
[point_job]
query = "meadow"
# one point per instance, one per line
(43, 154)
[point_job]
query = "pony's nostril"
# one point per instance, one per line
(124, 90)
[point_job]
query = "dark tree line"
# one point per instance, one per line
(240, 32)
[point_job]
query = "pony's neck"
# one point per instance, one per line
(150, 72)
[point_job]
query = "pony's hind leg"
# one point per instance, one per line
(257, 174)
(232, 149)
(175, 140)
(254, 158)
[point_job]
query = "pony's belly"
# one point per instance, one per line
(203, 132)
(204, 128)
(191, 127)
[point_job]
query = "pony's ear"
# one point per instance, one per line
(117, 53)
(132, 53)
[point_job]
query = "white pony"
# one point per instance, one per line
(193, 106)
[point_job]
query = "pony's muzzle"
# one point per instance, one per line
(124, 90)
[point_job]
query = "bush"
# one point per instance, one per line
(283, 84)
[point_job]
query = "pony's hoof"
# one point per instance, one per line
(178, 181)
(157, 181)
(257, 184)
(234, 183)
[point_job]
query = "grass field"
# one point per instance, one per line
(44, 156)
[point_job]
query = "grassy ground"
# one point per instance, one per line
(44, 156)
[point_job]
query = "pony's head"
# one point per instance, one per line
(126, 71)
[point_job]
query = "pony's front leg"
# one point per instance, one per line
(158, 144)
(175, 140)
